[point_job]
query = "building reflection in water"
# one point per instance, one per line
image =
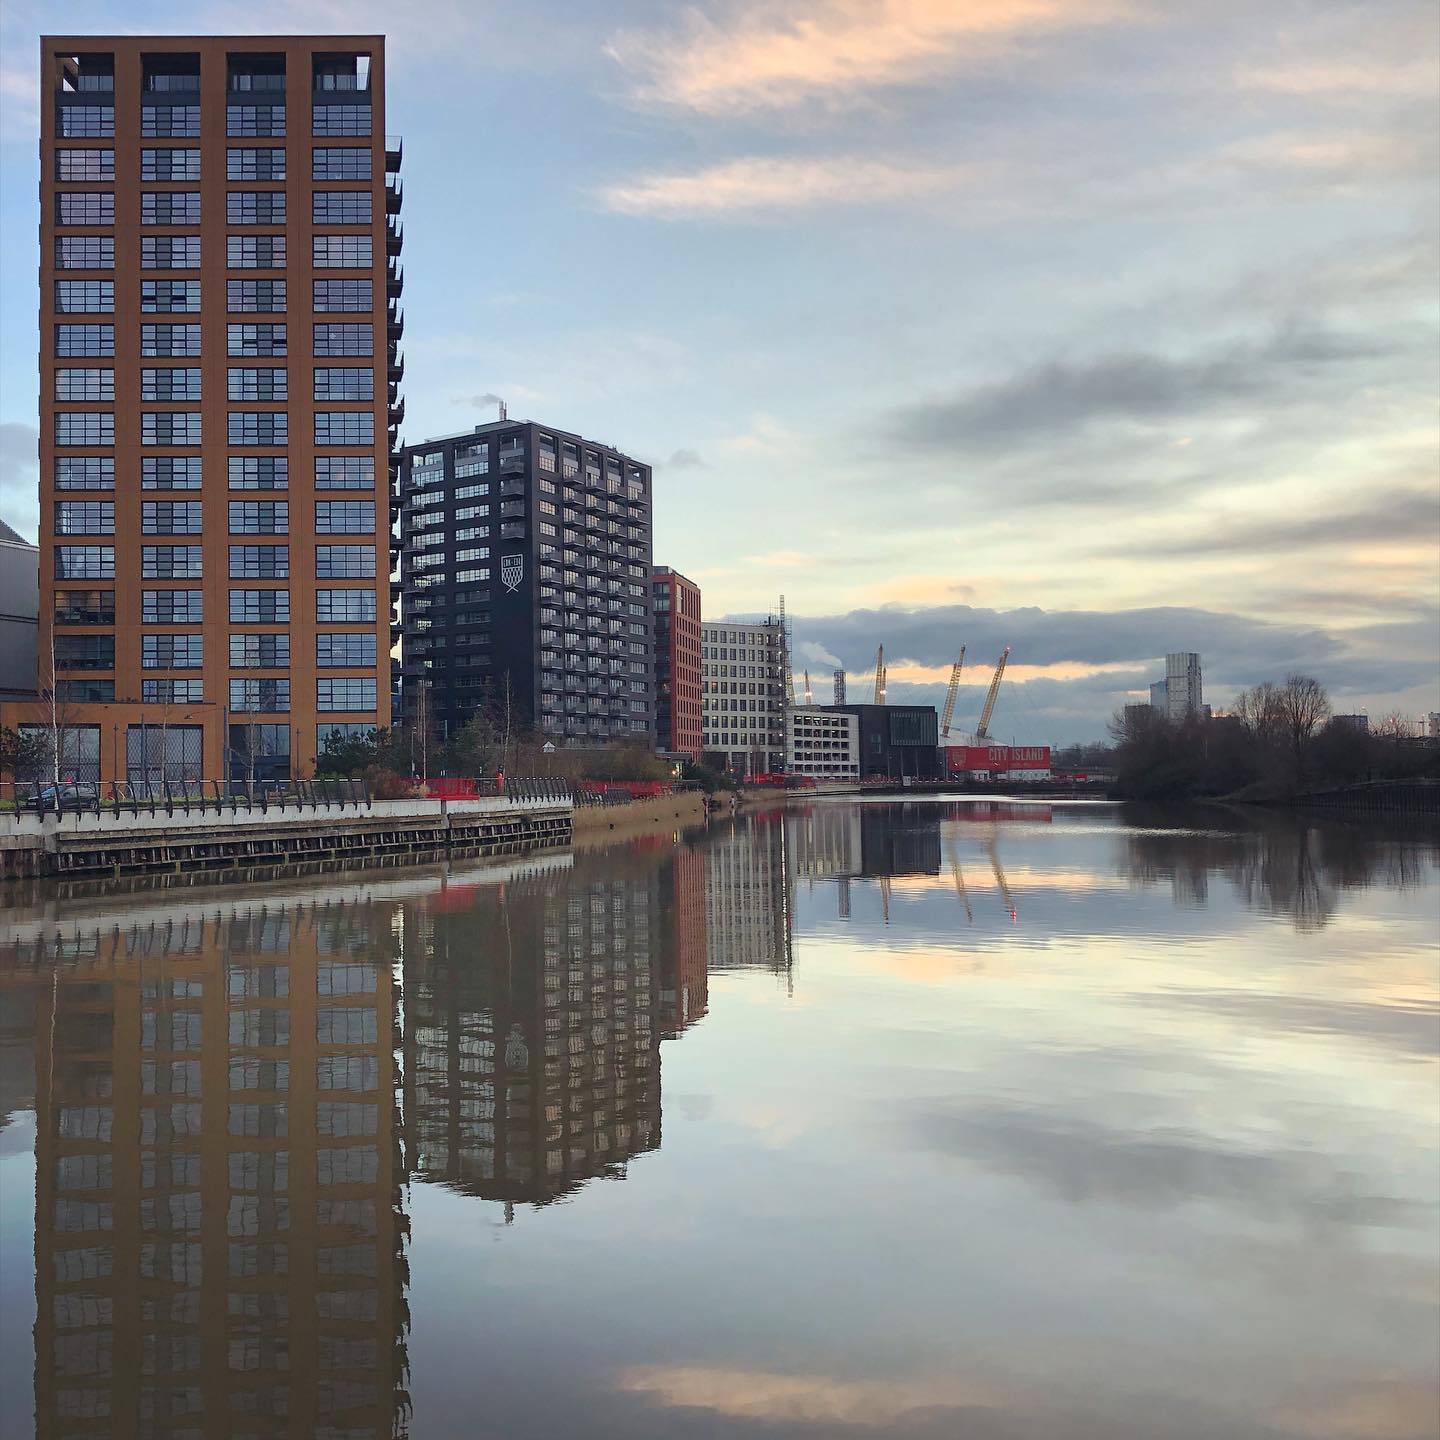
(218, 1235)
(749, 895)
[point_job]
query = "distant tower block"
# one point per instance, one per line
(839, 687)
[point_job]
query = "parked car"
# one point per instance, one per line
(68, 793)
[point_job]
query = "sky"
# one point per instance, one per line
(1092, 328)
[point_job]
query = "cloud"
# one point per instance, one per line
(1140, 387)
(684, 459)
(755, 184)
(1397, 516)
(20, 477)
(478, 402)
(786, 53)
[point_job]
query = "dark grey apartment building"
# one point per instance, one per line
(525, 555)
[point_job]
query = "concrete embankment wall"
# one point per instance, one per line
(386, 832)
(662, 812)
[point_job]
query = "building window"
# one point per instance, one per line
(259, 696)
(259, 652)
(95, 122)
(171, 383)
(262, 120)
(85, 384)
(84, 562)
(258, 427)
(335, 651)
(84, 652)
(260, 607)
(254, 296)
(259, 517)
(84, 252)
(85, 207)
(169, 252)
(84, 427)
(344, 427)
(170, 207)
(170, 340)
(255, 252)
(350, 162)
(335, 207)
(170, 517)
(344, 517)
(259, 562)
(255, 207)
(169, 427)
(256, 339)
(340, 295)
(172, 652)
(75, 340)
(162, 296)
(84, 297)
(84, 607)
(345, 693)
(259, 472)
(170, 472)
(340, 252)
(84, 517)
(161, 122)
(349, 382)
(340, 120)
(345, 562)
(156, 164)
(252, 163)
(87, 164)
(344, 340)
(256, 383)
(344, 472)
(84, 472)
(171, 607)
(171, 692)
(338, 607)
(170, 562)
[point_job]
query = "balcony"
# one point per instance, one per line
(394, 280)
(394, 152)
(514, 530)
(395, 323)
(394, 237)
(512, 489)
(397, 410)
(394, 194)
(395, 366)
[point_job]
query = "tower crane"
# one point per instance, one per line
(785, 656)
(982, 729)
(949, 712)
(880, 676)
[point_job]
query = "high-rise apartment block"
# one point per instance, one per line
(218, 397)
(678, 665)
(526, 573)
(1183, 695)
(744, 696)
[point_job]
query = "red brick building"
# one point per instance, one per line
(677, 662)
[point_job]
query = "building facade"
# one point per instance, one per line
(19, 614)
(822, 743)
(1183, 694)
(897, 742)
(679, 727)
(526, 563)
(219, 378)
(744, 700)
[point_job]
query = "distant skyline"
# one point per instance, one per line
(1098, 329)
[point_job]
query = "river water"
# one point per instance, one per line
(937, 1119)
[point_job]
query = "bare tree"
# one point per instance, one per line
(1304, 708)
(1261, 711)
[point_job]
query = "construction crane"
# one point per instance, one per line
(983, 728)
(880, 676)
(809, 693)
(949, 713)
(999, 870)
(958, 876)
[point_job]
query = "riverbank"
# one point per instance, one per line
(660, 812)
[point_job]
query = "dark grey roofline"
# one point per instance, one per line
(491, 426)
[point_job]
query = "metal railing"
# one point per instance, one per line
(172, 797)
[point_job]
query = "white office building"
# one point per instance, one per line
(1183, 695)
(743, 699)
(822, 744)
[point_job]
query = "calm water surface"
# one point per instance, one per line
(995, 1121)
